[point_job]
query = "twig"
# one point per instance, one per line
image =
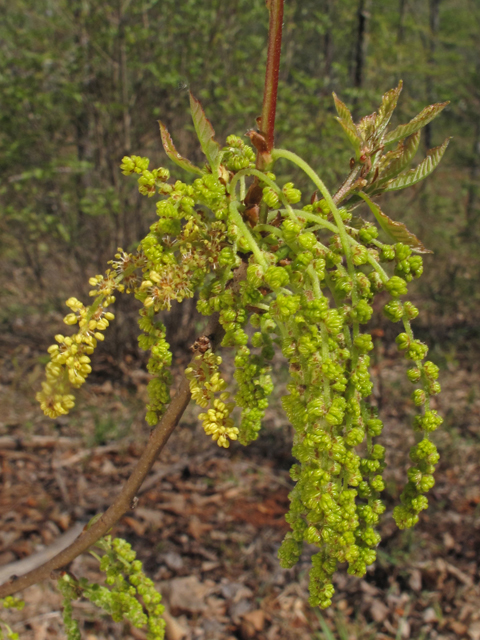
(269, 108)
(123, 502)
(125, 499)
(21, 567)
(39, 442)
(272, 71)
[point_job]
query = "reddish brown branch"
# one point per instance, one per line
(269, 108)
(123, 502)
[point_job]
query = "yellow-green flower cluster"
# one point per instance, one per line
(312, 272)
(237, 155)
(205, 383)
(70, 362)
(126, 581)
(153, 339)
(217, 422)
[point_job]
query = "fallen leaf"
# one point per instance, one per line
(415, 581)
(379, 611)
(474, 631)
(458, 627)
(429, 615)
(187, 595)
(173, 629)
(196, 528)
(134, 524)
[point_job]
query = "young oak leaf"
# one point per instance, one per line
(418, 122)
(389, 102)
(366, 127)
(396, 230)
(173, 154)
(347, 124)
(394, 162)
(424, 169)
(205, 133)
(343, 111)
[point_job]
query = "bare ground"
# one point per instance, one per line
(209, 522)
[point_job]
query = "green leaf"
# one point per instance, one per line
(424, 169)
(352, 135)
(389, 102)
(343, 111)
(423, 118)
(347, 124)
(396, 230)
(173, 154)
(205, 133)
(395, 161)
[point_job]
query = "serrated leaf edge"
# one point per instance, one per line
(424, 169)
(173, 154)
(418, 122)
(387, 107)
(386, 223)
(205, 133)
(405, 154)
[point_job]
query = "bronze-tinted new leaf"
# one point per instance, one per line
(205, 133)
(424, 169)
(347, 124)
(366, 126)
(389, 102)
(351, 134)
(423, 118)
(397, 160)
(173, 154)
(396, 230)
(343, 111)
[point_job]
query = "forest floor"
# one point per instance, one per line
(209, 522)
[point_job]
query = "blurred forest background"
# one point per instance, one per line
(82, 83)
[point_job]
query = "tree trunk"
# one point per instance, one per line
(363, 15)
(434, 23)
(401, 20)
